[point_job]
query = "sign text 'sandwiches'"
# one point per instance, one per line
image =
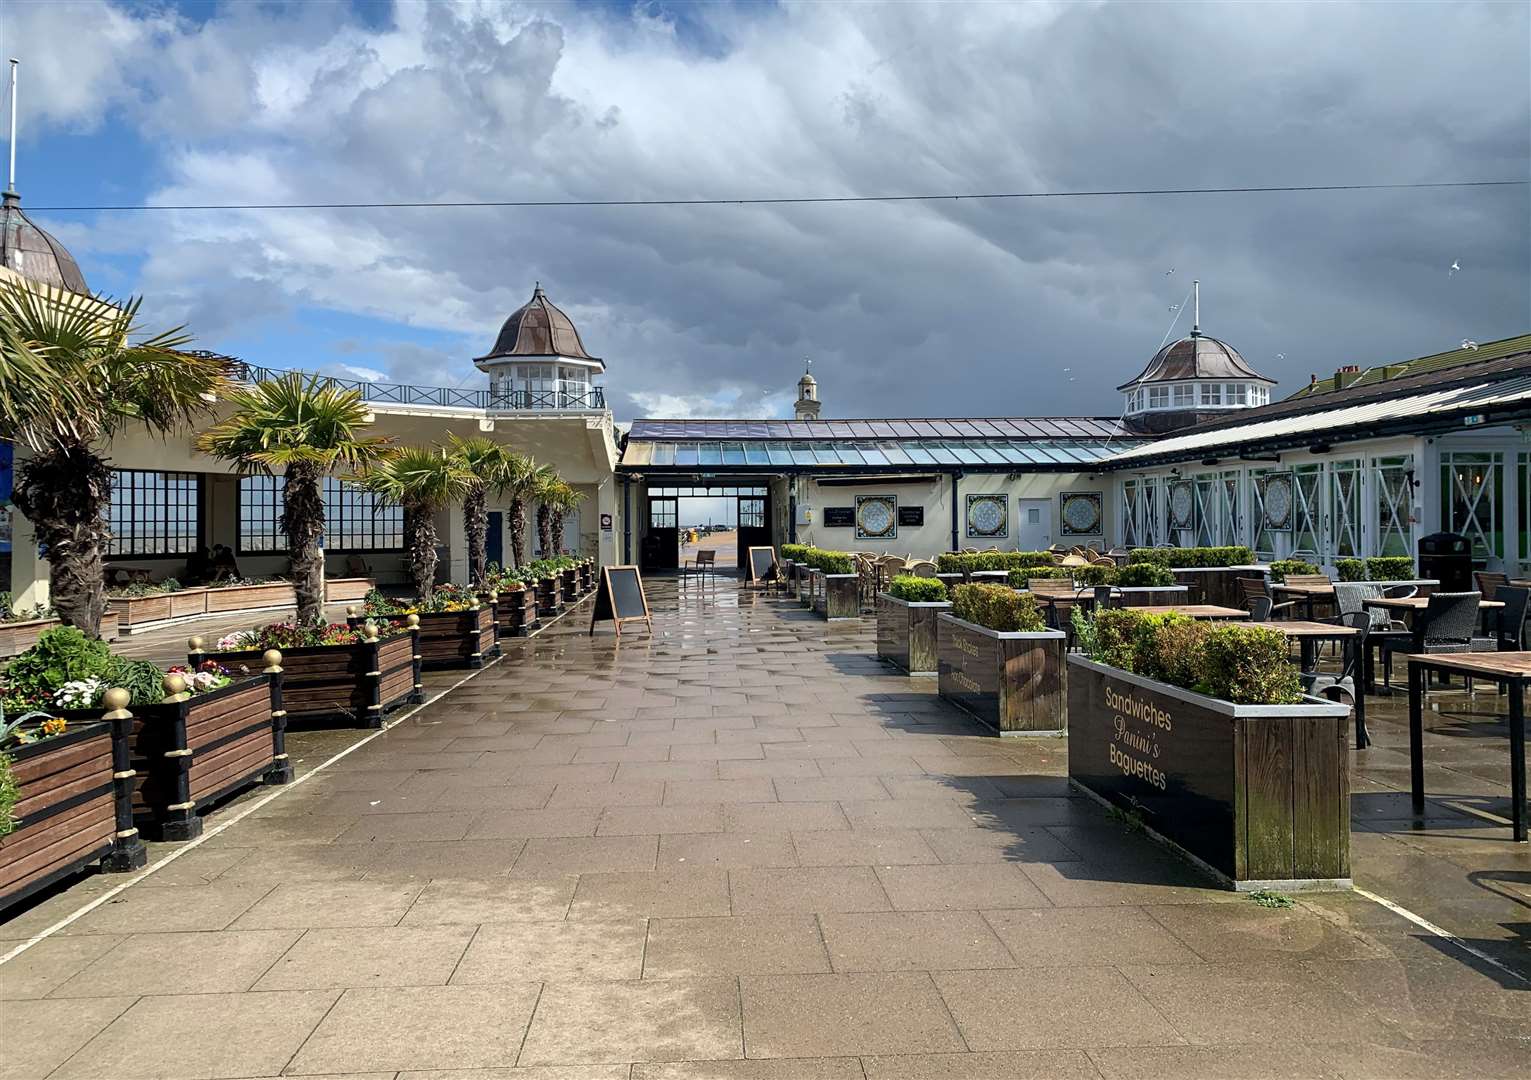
(1136, 726)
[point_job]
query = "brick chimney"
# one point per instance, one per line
(1346, 375)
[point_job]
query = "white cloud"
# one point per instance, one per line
(906, 308)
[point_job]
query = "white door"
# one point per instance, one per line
(1034, 524)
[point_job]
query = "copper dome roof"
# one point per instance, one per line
(33, 253)
(539, 329)
(1196, 357)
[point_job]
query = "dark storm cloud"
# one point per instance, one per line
(967, 307)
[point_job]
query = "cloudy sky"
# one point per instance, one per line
(942, 308)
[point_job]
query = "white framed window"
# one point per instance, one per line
(1211, 393)
(1183, 396)
(1237, 394)
(1158, 397)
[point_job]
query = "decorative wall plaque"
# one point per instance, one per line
(1080, 512)
(1182, 504)
(1275, 493)
(839, 517)
(989, 516)
(913, 516)
(876, 517)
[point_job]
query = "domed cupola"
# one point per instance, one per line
(1191, 381)
(807, 405)
(33, 253)
(539, 362)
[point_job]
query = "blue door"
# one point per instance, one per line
(494, 543)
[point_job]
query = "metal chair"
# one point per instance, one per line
(1511, 629)
(1259, 589)
(1445, 626)
(705, 565)
(1259, 608)
(1489, 584)
(1349, 681)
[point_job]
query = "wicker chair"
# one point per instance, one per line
(1446, 625)
(921, 568)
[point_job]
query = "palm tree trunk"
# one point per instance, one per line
(303, 522)
(421, 528)
(64, 493)
(544, 530)
(557, 515)
(518, 530)
(475, 521)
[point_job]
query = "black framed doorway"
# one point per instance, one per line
(742, 511)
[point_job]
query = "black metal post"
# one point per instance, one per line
(128, 852)
(281, 766)
(627, 521)
(956, 514)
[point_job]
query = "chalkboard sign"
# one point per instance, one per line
(839, 517)
(911, 515)
(761, 565)
(619, 597)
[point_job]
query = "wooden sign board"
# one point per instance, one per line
(619, 597)
(839, 517)
(761, 565)
(913, 516)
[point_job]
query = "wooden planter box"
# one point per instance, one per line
(1013, 682)
(136, 611)
(1258, 794)
(1155, 595)
(569, 582)
(359, 683)
(344, 590)
(810, 586)
(251, 597)
(191, 753)
(515, 611)
(17, 637)
(453, 639)
(1216, 584)
(549, 595)
(76, 809)
(839, 597)
(906, 633)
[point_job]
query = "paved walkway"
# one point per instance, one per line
(745, 839)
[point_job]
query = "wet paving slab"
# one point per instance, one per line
(743, 848)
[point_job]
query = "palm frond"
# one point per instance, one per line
(296, 419)
(424, 479)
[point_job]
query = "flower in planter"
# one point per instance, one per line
(79, 694)
(206, 676)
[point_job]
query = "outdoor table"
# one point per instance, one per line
(992, 577)
(1308, 594)
(1308, 636)
(1512, 670)
(1411, 604)
(1198, 611)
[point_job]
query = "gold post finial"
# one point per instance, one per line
(116, 701)
(273, 661)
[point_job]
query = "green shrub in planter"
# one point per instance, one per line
(1144, 574)
(1193, 556)
(1350, 569)
(1248, 665)
(1175, 648)
(998, 607)
(1123, 638)
(955, 563)
(832, 562)
(1390, 568)
(917, 590)
(1019, 578)
(794, 552)
(1095, 575)
(1282, 567)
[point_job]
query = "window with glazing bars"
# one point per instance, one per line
(154, 513)
(354, 520)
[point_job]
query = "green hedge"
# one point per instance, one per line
(1247, 665)
(1144, 574)
(1390, 568)
(1193, 556)
(955, 563)
(793, 552)
(917, 590)
(1282, 567)
(1350, 569)
(829, 562)
(998, 607)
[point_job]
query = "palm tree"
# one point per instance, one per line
(74, 371)
(306, 428)
(564, 498)
(492, 467)
(522, 484)
(546, 492)
(425, 481)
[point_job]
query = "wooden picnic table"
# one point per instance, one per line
(1309, 595)
(1197, 611)
(1309, 635)
(1511, 670)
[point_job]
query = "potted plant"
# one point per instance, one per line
(1211, 573)
(906, 623)
(66, 799)
(515, 601)
(333, 672)
(1201, 732)
(837, 587)
(548, 582)
(199, 735)
(490, 467)
(999, 662)
(457, 628)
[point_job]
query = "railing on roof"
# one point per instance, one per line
(591, 399)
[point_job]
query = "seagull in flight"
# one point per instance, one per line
(1170, 271)
(1456, 265)
(1469, 344)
